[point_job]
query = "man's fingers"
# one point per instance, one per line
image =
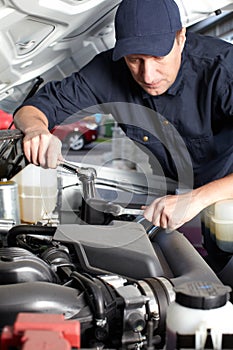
(43, 149)
(53, 152)
(35, 145)
(31, 150)
(163, 220)
(162, 212)
(27, 149)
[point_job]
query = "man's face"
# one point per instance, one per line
(156, 74)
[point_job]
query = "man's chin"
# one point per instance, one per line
(153, 91)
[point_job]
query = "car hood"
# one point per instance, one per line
(51, 39)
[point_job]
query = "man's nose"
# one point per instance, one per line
(149, 71)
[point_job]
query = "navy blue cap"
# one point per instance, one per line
(146, 27)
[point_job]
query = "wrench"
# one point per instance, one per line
(117, 210)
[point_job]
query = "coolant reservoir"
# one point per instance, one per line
(37, 188)
(200, 315)
(207, 222)
(222, 219)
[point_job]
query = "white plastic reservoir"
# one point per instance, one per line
(223, 224)
(201, 314)
(37, 188)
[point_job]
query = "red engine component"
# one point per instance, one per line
(41, 331)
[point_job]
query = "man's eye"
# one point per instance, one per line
(133, 60)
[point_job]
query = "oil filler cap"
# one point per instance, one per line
(202, 295)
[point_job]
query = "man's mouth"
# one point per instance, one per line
(154, 85)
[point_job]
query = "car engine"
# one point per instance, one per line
(111, 282)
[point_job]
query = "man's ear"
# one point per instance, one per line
(181, 37)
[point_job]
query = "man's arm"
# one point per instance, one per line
(40, 146)
(173, 211)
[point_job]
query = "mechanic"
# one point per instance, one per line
(184, 79)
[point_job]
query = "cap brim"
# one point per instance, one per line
(153, 45)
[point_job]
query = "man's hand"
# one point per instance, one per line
(42, 148)
(172, 211)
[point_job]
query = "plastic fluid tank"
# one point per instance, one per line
(37, 189)
(207, 222)
(223, 223)
(200, 314)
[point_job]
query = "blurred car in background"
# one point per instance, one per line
(76, 135)
(5, 120)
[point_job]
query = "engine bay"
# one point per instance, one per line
(100, 269)
(114, 280)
